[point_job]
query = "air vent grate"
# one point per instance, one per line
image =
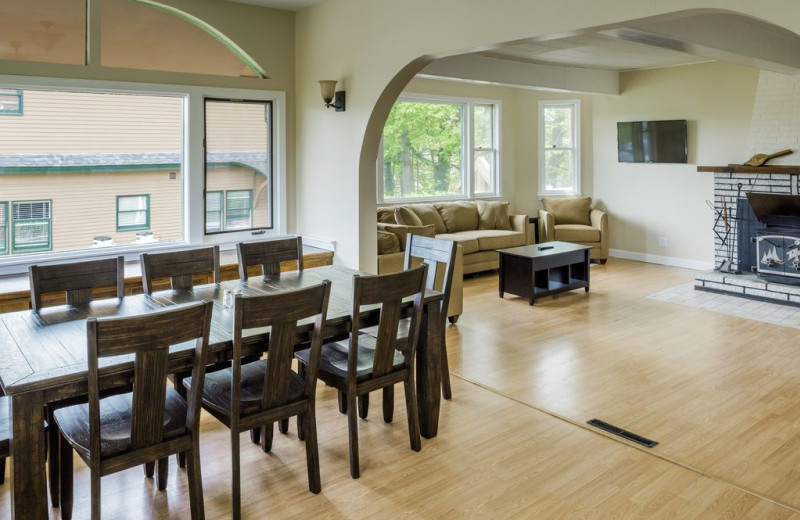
(625, 434)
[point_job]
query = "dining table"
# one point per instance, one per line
(43, 358)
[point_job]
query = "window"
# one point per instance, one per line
(10, 102)
(238, 209)
(3, 227)
(214, 211)
(133, 212)
(559, 148)
(31, 226)
(439, 148)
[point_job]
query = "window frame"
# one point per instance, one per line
(140, 227)
(249, 208)
(17, 111)
(48, 220)
(5, 248)
(575, 188)
(221, 210)
(193, 157)
(467, 149)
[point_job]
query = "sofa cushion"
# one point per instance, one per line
(429, 216)
(467, 241)
(386, 215)
(570, 210)
(403, 231)
(493, 215)
(490, 240)
(388, 243)
(460, 215)
(406, 217)
(576, 233)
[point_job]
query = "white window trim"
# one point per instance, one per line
(576, 174)
(193, 171)
(467, 150)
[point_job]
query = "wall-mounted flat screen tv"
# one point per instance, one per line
(652, 141)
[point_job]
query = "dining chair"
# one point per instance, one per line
(364, 363)
(179, 267)
(269, 254)
(256, 394)
(150, 423)
(76, 280)
(5, 435)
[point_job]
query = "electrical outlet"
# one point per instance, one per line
(663, 241)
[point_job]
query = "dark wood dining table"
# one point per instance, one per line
(43, 359)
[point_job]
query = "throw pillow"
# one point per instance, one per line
(493, 215)
(403, 231)
(405, 217)
(460, 215)
(571, 210)
(386, 215)
(388, 243)
(429, 216)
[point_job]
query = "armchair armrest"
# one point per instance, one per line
(547, 222)
(520, 224)
(600, 221)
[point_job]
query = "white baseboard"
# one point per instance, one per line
(685, 263)
(321, 243)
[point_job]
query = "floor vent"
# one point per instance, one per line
(625, 434)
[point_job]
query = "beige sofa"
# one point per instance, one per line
(573, 219)
(479, 228)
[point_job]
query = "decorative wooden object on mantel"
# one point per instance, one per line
(760, 159)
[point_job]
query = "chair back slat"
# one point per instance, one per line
(179, 266)
(76, 279)
(282, 339)
(441, 256)
(387, 338)
(148, 337)
(269, 254)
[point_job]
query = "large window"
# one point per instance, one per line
(438, 149)
(559, 148)
(31, 226)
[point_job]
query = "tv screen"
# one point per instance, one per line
(652, 141)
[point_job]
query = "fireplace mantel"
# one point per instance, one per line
(745, 168)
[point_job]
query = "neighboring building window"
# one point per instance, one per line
(3, 227)
(238, 209)
(559, 148)
(440, 148)
(10, 102)
(214, 207)
(31, 226)
(133, 212)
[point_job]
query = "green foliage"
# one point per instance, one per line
(557, 138)
(422, 150)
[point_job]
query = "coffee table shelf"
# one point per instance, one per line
(536, 271)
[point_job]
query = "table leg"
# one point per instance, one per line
(28, 482)
(429, 370)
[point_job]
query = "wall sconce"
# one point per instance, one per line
(331, 96)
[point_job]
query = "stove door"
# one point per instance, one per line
(771, 254)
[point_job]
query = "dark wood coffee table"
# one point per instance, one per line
(544, 269)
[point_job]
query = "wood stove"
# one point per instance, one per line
(778, 241)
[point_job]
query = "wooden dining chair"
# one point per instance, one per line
(76, 280)
(179, 267)
(251, 395)
(152, 422)
(269, 254)
(365, 363)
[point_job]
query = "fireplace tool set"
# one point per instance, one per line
(724, 215)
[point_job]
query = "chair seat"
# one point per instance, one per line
(217, 389)
(576, 233)
(115, 423)
(334, 357)
(5, 426)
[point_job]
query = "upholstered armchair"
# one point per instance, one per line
(574, 220)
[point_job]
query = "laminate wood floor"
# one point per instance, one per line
(717, 392)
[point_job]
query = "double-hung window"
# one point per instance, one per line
(133, 212)
(437, 148)
(559, 148)
(3, 227)
(229, 210)
(31, 226)
(214, 205)
(10, 102)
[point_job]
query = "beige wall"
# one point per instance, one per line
(648, 201)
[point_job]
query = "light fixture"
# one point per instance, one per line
(331, 96)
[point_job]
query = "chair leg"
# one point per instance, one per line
(149, 469)
(236, 485)
(195, 482)
(283, 426)
(363, 405)
(163, 472)
(342, 402)
(266, 438)
(312, 450)
(2, 470)
(413, 416)
(388, 404)
(95, 492)
(177, 380)
(53, 439)
(352, 430)
(301, 433)
(181, 459)
(255, 435)
(64, 453)
(446, 392)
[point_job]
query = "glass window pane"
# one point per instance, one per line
(558, 169)
(82, 150)
(137, 36)
(422, 150)
(51, 31)
(484, 171)
(3, 227)
(238, 162)
(558, 127)
(483, 120)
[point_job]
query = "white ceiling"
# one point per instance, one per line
(287, 5)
